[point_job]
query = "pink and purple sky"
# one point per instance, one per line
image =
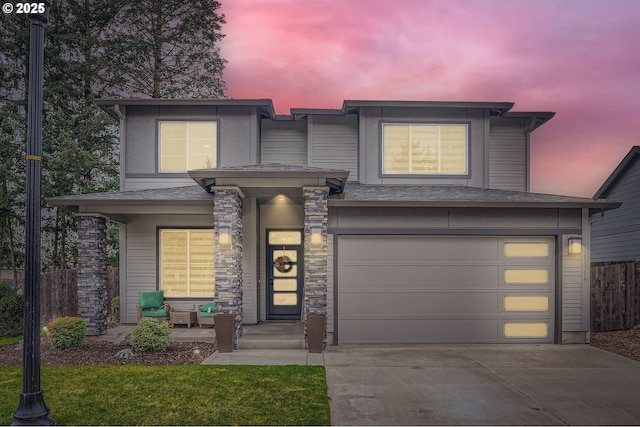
(579, 58)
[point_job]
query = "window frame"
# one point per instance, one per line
(439, 175)
(158, 147)
(159, 230)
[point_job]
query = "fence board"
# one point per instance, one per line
(59, 293)
(615, 295)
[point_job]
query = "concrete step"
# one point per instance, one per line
(273, 336)
(270, 343)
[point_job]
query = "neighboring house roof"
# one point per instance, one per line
(631, 157)
(356, 194)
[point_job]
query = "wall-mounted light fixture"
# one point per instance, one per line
(316, 237)
(575, 245)
(224, 238)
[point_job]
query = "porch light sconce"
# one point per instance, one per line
(224, 238)
(575, 245)
(316, 237)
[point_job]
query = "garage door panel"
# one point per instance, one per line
(412, 247)
(419, 330)
(390, 276)
(408, 302)
(444, 289)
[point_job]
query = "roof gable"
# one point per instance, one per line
(618, 173)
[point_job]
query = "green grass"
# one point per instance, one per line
(9, 341)
(175, 395)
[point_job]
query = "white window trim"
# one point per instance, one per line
(426, 174)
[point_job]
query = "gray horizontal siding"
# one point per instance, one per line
(573, 302)
(141, 257)
(284, 142)
(508, 156)
(334, 143)
(616, 236)
(131, 184)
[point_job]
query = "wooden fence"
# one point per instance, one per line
(615, 296)
(59, 293)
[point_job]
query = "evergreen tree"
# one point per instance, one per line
(93, 49)
(79, 141)
(14, 42)
(167, 49)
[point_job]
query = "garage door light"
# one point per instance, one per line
(575, 245)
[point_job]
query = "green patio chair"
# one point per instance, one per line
(206, 312)
(152, 305)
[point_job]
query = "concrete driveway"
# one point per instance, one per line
(481, 385)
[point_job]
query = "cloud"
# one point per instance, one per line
(575, 57)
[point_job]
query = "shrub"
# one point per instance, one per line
(114, 318)
(67, 332)
(11, 311)
(150, 335)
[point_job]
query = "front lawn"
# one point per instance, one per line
(175, 395)
(9, 341)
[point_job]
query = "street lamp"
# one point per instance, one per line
(32, 410)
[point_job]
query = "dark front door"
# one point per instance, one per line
(285, 265)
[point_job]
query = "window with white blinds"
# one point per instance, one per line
(424, 149)
(187, 146)
(187, 263)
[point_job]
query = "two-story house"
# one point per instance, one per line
(402, 221)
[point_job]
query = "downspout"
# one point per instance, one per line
(528, 130)
(119, 110)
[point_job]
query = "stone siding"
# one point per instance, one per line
(92, 273)
(227, 213)
(315, 258)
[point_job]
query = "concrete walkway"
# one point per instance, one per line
(265, 357)
(481, 385)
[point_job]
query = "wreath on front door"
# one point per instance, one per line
(283, 264)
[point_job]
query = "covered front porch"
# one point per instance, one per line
(229, 201)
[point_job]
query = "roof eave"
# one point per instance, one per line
(265, 104)
(498, 107)
(538, 117)
(206, 178)
(596, 205)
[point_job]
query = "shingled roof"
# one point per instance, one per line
(356, 194)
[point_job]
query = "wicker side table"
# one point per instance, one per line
(182, 318)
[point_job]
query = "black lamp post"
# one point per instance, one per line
(32, 410)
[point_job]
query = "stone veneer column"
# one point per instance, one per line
(315, 258)
(227, 213)
(92, 273)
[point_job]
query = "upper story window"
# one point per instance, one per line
(425, 149)
(186, 146)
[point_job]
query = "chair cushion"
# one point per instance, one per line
(204, 308)
(150, 300)
(155, 313)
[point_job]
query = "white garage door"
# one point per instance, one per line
(422, 289)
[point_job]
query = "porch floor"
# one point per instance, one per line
(264, 335)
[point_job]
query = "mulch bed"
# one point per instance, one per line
(96, 352)
(625, 343)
